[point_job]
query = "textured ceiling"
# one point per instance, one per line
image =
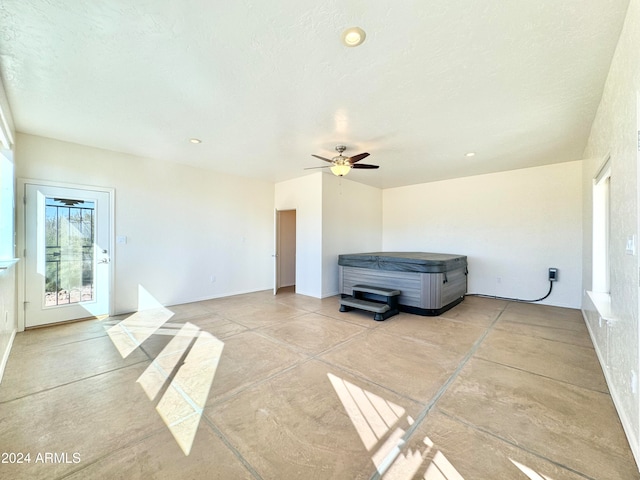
(266, 84)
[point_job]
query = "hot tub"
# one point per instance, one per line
(430, 283)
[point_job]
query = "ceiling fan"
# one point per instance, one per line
(341, 165)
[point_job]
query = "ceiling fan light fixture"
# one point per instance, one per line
(354, 36)
(341, 165)
(340, 170)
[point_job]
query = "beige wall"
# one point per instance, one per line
(8, 285)
(183, 225)
(513, 226)
(304, 195)
(351, 223)
(333, 215)
(615, 133)
(8, 314)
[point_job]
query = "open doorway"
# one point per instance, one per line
(285, 257)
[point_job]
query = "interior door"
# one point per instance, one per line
(276, 254)
(67, 254)
(287, 249)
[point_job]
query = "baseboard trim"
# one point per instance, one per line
(5, 356)
(627, 426)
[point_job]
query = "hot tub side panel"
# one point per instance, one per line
(451, 287)
(409, 283)
(421, 293)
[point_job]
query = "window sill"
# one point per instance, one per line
(6, 264)
(602, 302)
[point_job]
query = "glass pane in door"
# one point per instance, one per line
(69, 244)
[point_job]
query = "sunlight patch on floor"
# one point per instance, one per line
(372, 415)
(532, 474)
(182, 373)
(182, 405)
(130, 333)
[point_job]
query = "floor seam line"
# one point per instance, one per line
(513, 444)
(537, 337)
(217, 432)
(112, 452)
(506, 365)
(71, 382)
(46, 347)
(377, 475)
(223, 399)
(366, 380)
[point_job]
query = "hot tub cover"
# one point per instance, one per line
(404, 261)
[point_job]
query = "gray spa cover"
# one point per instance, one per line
(404, 261)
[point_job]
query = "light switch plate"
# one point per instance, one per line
(631, 245)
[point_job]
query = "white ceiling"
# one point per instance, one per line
(266, 84)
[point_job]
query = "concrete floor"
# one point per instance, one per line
(287, 387)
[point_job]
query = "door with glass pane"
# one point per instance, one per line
(68, 251)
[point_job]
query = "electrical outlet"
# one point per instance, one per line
(553, 274)
(213, 278)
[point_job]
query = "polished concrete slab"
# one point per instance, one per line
(314, 421)
(577, 365)
(412, 368)
(573, 426)
(258, 386)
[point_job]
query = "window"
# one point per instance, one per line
(601, 227)
(7, 206)
(69, 246)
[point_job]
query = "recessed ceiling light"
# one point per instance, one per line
(354, 36)
(195, 140)
(470, 154)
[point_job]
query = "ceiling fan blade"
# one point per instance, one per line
(365, 165)
(321, 158)
(311, 168)
(357, 158)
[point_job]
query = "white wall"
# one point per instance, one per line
(511, 225)
(333, 216)
(7, 128)
(304, 195)
(8, 314)
(615, 132)
(351, 223)
(8, 280)
(183, 224)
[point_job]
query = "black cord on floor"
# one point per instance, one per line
(511, 299)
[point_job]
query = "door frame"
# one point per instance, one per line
(277, 256)
(276, 250)
(21, 226)
(636, 448)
